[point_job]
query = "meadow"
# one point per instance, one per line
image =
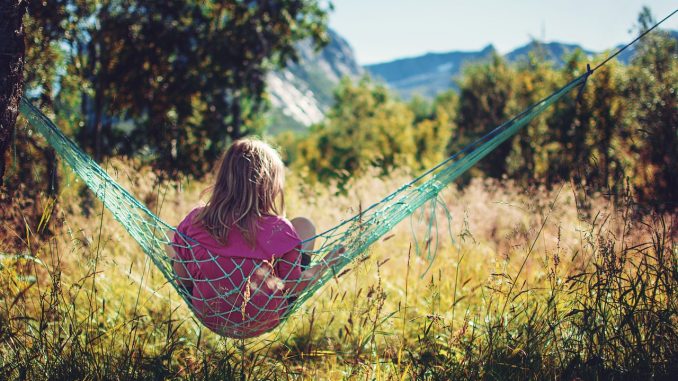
(521, 283)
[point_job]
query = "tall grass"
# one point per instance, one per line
(526, 284)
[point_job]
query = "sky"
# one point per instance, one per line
(383, 30)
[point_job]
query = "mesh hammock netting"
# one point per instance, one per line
(252, 305)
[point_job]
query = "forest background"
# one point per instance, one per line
(171, 91)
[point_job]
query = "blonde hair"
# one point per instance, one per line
(249, 181)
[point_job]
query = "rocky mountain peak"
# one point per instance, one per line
(303, 91)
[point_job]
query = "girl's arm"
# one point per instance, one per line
(311, 275)
(182, 276)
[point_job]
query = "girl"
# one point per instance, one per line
(239, 260)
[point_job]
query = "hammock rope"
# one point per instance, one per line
(354, 235)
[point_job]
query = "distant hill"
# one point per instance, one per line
(626, 56)
(551, 51)
(301, 93)
(432, 73)
(426, 75)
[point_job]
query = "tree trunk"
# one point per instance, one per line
(12, 50)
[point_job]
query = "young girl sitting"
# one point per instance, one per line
(238, 259)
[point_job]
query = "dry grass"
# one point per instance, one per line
(528, 285)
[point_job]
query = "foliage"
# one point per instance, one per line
(589, 129)
(621, 124)
(653, 116)
(433, 127)
(485, 96)
(531, 151)
(172, 89)
(32, 178)
(365, 128)
(369, 128)
(175, 79)
(593, 299)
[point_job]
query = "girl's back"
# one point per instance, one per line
(237, 286)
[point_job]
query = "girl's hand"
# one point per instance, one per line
(312, 275)
(334, 256)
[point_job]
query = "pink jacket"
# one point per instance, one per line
(237, 288)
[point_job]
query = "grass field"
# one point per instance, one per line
(526, 284)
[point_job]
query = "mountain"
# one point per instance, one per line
(550, 51)
(302, 92)
(426, 75)
(626, 56)
(432, 73)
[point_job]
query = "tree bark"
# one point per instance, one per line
(12, 49)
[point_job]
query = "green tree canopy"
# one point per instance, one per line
(186, 75)
(652, 100)
(367, 127)
(485, 96)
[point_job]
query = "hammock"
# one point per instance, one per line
(354, 236)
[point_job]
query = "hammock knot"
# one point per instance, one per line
(583, 84)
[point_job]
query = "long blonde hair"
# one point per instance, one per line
(249, 181)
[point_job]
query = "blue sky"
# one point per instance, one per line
(382, 30)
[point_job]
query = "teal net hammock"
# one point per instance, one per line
(228, 309)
